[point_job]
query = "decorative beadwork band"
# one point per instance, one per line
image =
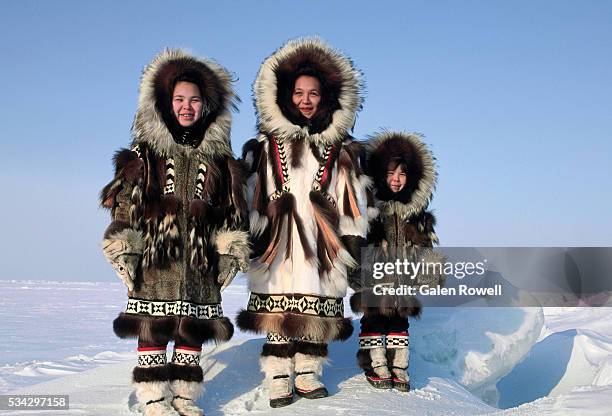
(306, 338)
(368, 341)
(303, 304)
(276, 338)
(186, 356)
(148, 357)
(174, 307)
(399, 340)
(169, 188)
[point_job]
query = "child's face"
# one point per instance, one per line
(396, 177)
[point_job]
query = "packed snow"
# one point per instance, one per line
(464, 361)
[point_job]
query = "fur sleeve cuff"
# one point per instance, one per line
(132, 238)
(235, 243)
(434, 275)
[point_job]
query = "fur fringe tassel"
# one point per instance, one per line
(197, 244)
(283, 212)
(168, 239)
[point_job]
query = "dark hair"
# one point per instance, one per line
(395, 162)
(214, 96)
(188, 76)
(328, 104)
(392, 153)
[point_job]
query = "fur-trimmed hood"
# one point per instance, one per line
(341, 99)
(154, 121)
(421, 176)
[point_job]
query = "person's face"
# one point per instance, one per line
(186, 103)
(307, 95)
(396, 177)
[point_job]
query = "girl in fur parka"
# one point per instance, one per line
(404, 178)
(176, 237)
(308, 216)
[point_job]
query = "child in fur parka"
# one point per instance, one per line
(178, 231)
(404, 176)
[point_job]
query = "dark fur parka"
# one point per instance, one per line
(403, 229)
(181, 192)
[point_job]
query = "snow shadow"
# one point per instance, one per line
(539, 373)
(231, 373)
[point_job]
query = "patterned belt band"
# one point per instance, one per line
(186, 355)
(397, 340)
(371, 340)
(306, 338)
(302, 304)
(276, 338)
(151, 356)
(173, 307)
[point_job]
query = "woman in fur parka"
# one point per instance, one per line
(404, 176)
(178, 231)
(308, 212)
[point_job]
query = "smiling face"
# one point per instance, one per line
(187, 103)
(396, 176)
(307, 95)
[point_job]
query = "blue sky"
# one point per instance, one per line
(513, 98)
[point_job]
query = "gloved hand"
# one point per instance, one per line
(123, 259)
(228, 267)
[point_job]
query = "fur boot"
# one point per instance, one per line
(308, 369)
(397, 356)
(278, 371)
(372, 358)
(154, 396)
(185, 393)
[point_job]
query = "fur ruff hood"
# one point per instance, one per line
(154, 104)
(342, 88)
(410, 149)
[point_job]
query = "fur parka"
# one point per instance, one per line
(307, 196)
(185, 205)
(403, 228)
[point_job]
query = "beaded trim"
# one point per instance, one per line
(172, 308)
(303, 304)
(369, 341)
(397, 340)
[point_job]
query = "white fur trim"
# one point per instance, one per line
(257, 223)
(354, 226)
(335, 282)
(155, 390)
(373, 212)
(272, 120)
(188, 389)
(360, 225)
(235, 243)
(307, 362)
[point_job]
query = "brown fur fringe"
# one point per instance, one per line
(295, 325)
